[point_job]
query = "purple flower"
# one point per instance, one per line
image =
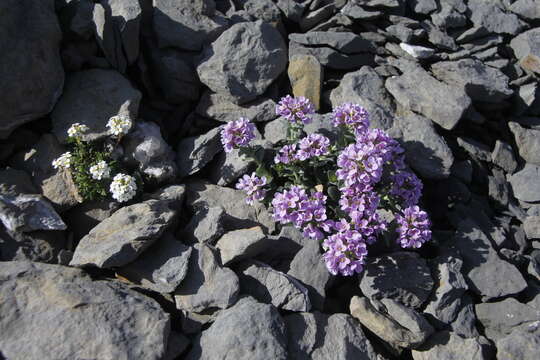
(296, 110)
(406, 186)
(237, 133)
(413, 227)
(359, 164)
(382, 144)
(345, 253)
(253, 186)
(311, 146)
(351, 115)
(286, 154)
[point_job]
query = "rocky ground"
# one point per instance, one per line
(189, 271)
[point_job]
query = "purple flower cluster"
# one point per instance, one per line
(286, 154)
(407, 187)
(413, 227)
(237, 133)
(295, 109)
(354, 116)
(345, 253)
(253, 186)
(313, 145)
(306, 212)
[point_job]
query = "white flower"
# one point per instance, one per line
(76, 130)
(123, 187)
(119, 125)
(64, 161)
(100, 171)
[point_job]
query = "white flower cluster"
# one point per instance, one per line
(119, 125)
(123, 187)
(77, 130)
(64, 161)
(100, 171)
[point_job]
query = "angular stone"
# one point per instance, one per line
(527, 101)
(492, 16)
(207, 285)
(475, 148)
(519, 344)
(525, 183)
(320, 336)
(162, 268)
(92, 97)
(206, 226)
(306, 76)
(344, 42)
(240, 71)
(439, 37)
(532, 227)
(193, 153)
(27, 213)
(121, 238)
(39, 246)
(417, 52)
(273, 287)
(241, 244)
(99, 319)
(446, 345)
(425, 150)
(220, 108)
(401, 276)
(442, 103)
(498, 188)
(248, 330)
(526, 9)
(527, 141)
(332, 58)
(423, 6)
(503, 156)
(480, 82)
(31, 68)
(81, 219)
(356, 12)
(526, 47)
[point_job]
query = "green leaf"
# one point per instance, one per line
(263, 171)
(334, 193)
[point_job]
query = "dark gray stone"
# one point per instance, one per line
(241, 244)
(503, 156)
(525, 183)
(492, 16)
(356, 12)
(193, 153)
(439, 37)
(344, 42)
(446, 345)
(206, 226)
(220, 108)
(475, 148)
(81, 219)
(40, 246)
(25, 212)
(527, 141)
(448, 17)
(519, 344)
(332, 58)
(526, 47)
(498, 188)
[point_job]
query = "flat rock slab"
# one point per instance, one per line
(446, 345)
(121, 238)
(527, 141)
(94, 319)
(525, 183)
(193, 153)
(26, 213)
(241, 244)
(519, 345)
(526, 47)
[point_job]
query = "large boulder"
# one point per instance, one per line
(30, 69)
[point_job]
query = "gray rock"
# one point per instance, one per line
(276, 130)
(426, 151)
(186, 25)
(27, 213)
(487, 274)
(423, 6)
(448, 17)
(503, 156)
(13, 182)
(439, 37)
(81, 219)
(291, 9)
(532, 227)
(399, 326)
(416, 51)
(356, 12)
(273, 287)
(98, 319)
(525, 183)
(320, 336)
(92, 97)
(464, 324)
(308, 267)
(442, 103)
(248, 330)
(145, 147)
(501, 318)
(480, 82)
(40, 246)
(193, 153)
(492, 16)
(476, 149)
(220, 108)
(498, 188)
(527, 100)
(446, 345)
(162, 268)
(366, 88)
(264, 10)
(526, 47)
(173, 194)
(526, 9)
(206, 226)
(344, 42)
(121, 238)
(31, 71)
(322, 124)
(228, 167)
(207, 285)
(519, 344)
(241, 244)
(401, 276)
(527, 141)
(332, 58)
(242, 73)
(313, 18)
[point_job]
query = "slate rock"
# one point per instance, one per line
(320, 336)
(448, 17)
(442, 103)
(248, 330)
(416, 51)
(503, 156)
(162, 268)
(481, 82)
(356, 12)
(40, 246)
(526, 47)
(526, 9)
(309, 268)
(401, 276)
(446, 345)
(207, 285)
(26, 212)
(423, 6)
(492, 16)
(519, 344)
(291, 9)
(527, 101)
(399, 326)
(241, 244)
(487, 274)
(99, 319)
(206, 226)
(83, 218)
(92, 97)
(331, 58)
(532, 227)
(425, 150)
(242, 72)
(306, 75)
(344, 42)
(439, 37)
(273, 287)
(527, 141)
(498, 188)
(476, 149)
(525, 183)
(121, 238)
(193, 153)
(501, 318)
(186, 24)
(32, 73)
